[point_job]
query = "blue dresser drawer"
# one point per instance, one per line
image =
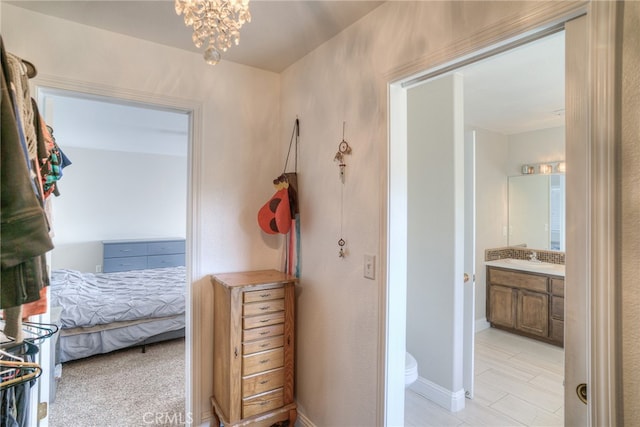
(167, 247)
(114, 250)
(159, 261)
(124, 264)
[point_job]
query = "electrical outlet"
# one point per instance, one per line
(370, 266)
(98, 268)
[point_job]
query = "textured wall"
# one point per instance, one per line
(630, 212)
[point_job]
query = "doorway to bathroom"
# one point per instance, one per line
(432, 265)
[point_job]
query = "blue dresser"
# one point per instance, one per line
(125, 255)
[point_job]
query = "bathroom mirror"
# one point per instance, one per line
(537, 211)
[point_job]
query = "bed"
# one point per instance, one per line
(103, 312)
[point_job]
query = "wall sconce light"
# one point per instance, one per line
(544, 168)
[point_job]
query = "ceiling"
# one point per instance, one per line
(280, 32)
(517, 91)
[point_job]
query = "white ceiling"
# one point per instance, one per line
(517, 91)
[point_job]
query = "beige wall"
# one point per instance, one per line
(240, 152)
(630, 214)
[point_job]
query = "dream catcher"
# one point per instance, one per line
(343, 150)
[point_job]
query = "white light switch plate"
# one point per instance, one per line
(370, 266)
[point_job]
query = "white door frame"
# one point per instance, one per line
(194, 109)
(604, 406)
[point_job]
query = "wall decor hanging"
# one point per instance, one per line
(281, 213)
(343, 149)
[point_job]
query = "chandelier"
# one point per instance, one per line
(215, 22)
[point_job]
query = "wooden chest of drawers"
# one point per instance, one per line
(253, 355)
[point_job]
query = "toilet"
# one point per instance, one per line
(410, 370)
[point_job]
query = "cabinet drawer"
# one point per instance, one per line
(262, 345)
(263, 320)
(557, 307)
(557, 287)
(124, 250)
(159, 261)
(112, 265)
(262, 382)
(161, 248)
(263, 361)
(264, 332)
(263, 295)
(518, 280)
(262, 403)
(263, 307)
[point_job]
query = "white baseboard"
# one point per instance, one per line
(303, 421)
(482, 324)
(449, 400)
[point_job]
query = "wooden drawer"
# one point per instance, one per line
(263, 320)
(557, 307)
(159, 261)
(264, 381)
(262, 403)
(264, 332)
(263, 361)
(263, 307)
(124, 250)
(162, 248)
(263, 295)
(557, 286)
(112, 265)
(262, 345)
(518, 280)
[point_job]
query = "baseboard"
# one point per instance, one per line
(449, 400)
(303, 421)
(482, 324)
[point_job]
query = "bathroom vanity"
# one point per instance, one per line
(526, 298)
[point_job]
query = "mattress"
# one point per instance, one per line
(92, 299)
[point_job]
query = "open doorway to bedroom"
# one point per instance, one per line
(118, 270)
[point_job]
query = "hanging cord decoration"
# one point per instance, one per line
(343, 149)
(281, 214)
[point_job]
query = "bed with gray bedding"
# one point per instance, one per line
(103, 312)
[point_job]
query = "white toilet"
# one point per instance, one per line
(410, 370)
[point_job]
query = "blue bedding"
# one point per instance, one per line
(89, 299)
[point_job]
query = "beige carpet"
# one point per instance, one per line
(123, 388)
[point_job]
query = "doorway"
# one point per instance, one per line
(399, 271)
(144, 146)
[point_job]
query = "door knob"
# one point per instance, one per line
(466, 277)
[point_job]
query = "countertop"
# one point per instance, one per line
(530, 266)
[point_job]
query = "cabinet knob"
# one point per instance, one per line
(235, 351)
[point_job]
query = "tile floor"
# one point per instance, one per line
(518, 382)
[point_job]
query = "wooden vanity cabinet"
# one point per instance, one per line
(253, 355)
(530, 304)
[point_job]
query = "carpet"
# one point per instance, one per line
(125, 388)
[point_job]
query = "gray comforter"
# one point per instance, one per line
(89, 299)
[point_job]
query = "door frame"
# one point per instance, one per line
(193, 360)
(604, 403)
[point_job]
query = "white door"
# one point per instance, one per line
(576, 318)
(469, 259)
(435, 238)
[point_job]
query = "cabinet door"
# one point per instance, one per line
(502, 309)
(533, 313)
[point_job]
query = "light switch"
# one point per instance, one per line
(370, 266)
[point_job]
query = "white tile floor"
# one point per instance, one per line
(518, 382)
